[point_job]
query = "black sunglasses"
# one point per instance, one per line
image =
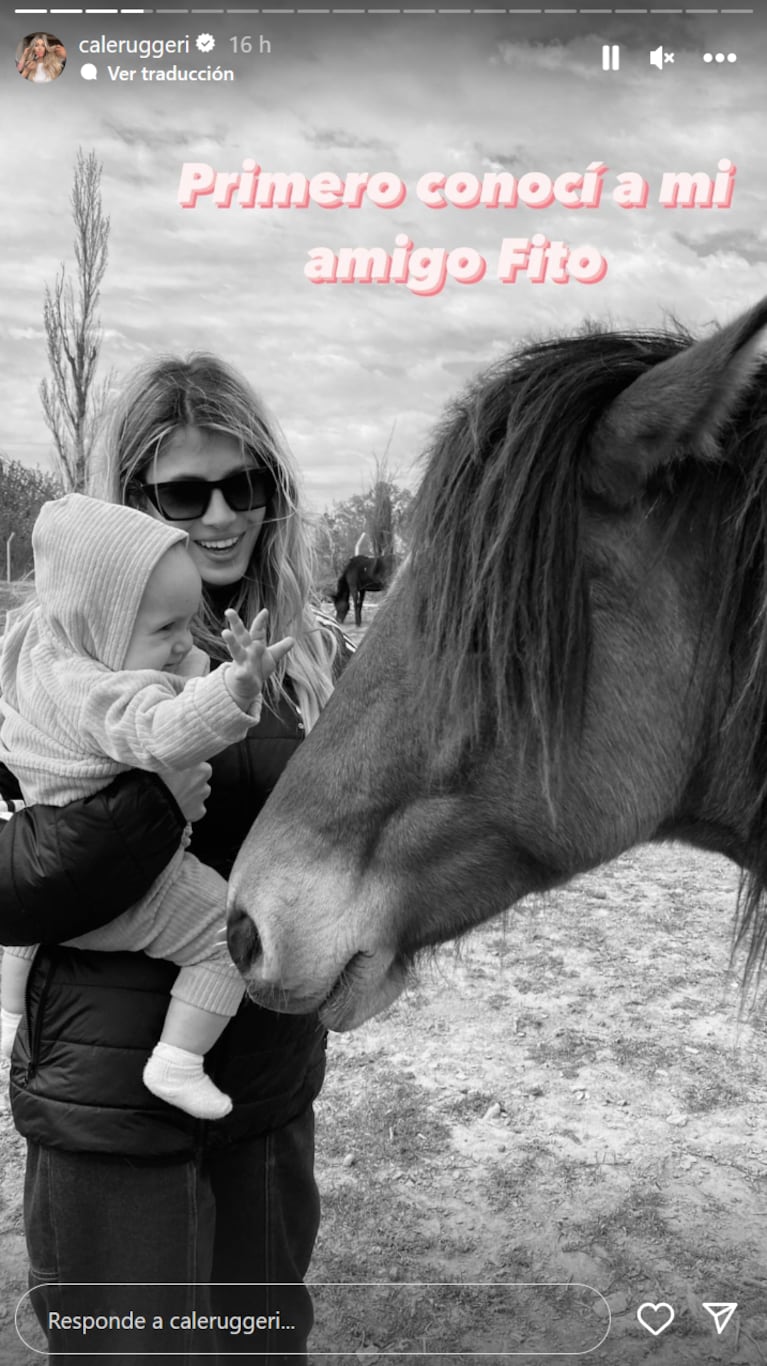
(184, 500)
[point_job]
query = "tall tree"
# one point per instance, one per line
(73, 402)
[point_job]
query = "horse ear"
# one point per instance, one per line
(677, 407)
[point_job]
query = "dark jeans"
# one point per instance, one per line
(244, 1214)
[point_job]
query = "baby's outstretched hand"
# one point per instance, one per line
(253, 660)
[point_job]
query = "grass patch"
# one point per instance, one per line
(385, 1116)
(568, 1048)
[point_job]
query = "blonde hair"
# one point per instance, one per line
(52, 63)
(203, 392)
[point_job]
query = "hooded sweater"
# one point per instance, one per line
(71, 718)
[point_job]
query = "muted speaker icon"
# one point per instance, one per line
(660, 58)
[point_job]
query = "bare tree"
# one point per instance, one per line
(381, 511)
(380, 525)
(73, 402)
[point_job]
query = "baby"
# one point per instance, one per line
(98, 676)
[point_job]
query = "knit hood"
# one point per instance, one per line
(93, 561)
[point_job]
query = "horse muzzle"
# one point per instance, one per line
(367, 983)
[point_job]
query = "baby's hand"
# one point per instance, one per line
(252, 659)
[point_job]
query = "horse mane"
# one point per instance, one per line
(498, 578)
(740, 586)
(496, 528)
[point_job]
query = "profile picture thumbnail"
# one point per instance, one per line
(40, 57)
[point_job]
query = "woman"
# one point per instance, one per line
(125, 1189)
(41, 60)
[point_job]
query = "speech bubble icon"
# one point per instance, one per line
(88, 71)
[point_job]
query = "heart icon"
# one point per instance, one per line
(656, 1318)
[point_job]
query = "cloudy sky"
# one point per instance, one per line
(353, 370)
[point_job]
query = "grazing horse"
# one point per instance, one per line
(573, 661)
(363, 574)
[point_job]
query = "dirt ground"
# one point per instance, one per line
(567, 1098)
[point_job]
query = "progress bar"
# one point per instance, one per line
(484, 10)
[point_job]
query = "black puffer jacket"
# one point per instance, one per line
(93, 1018)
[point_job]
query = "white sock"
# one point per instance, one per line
(178, 1076)
(9, 1023)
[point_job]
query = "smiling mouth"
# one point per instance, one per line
(220, 547)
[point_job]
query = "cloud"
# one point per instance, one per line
(749, 245)
(170, 136)
(337, 139)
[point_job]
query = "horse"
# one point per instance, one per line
(363, 574)
(573, 661)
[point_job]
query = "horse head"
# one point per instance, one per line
(574, 660)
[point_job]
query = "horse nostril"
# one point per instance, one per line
(243, 940)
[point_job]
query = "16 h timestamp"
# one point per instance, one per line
(248, 44)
